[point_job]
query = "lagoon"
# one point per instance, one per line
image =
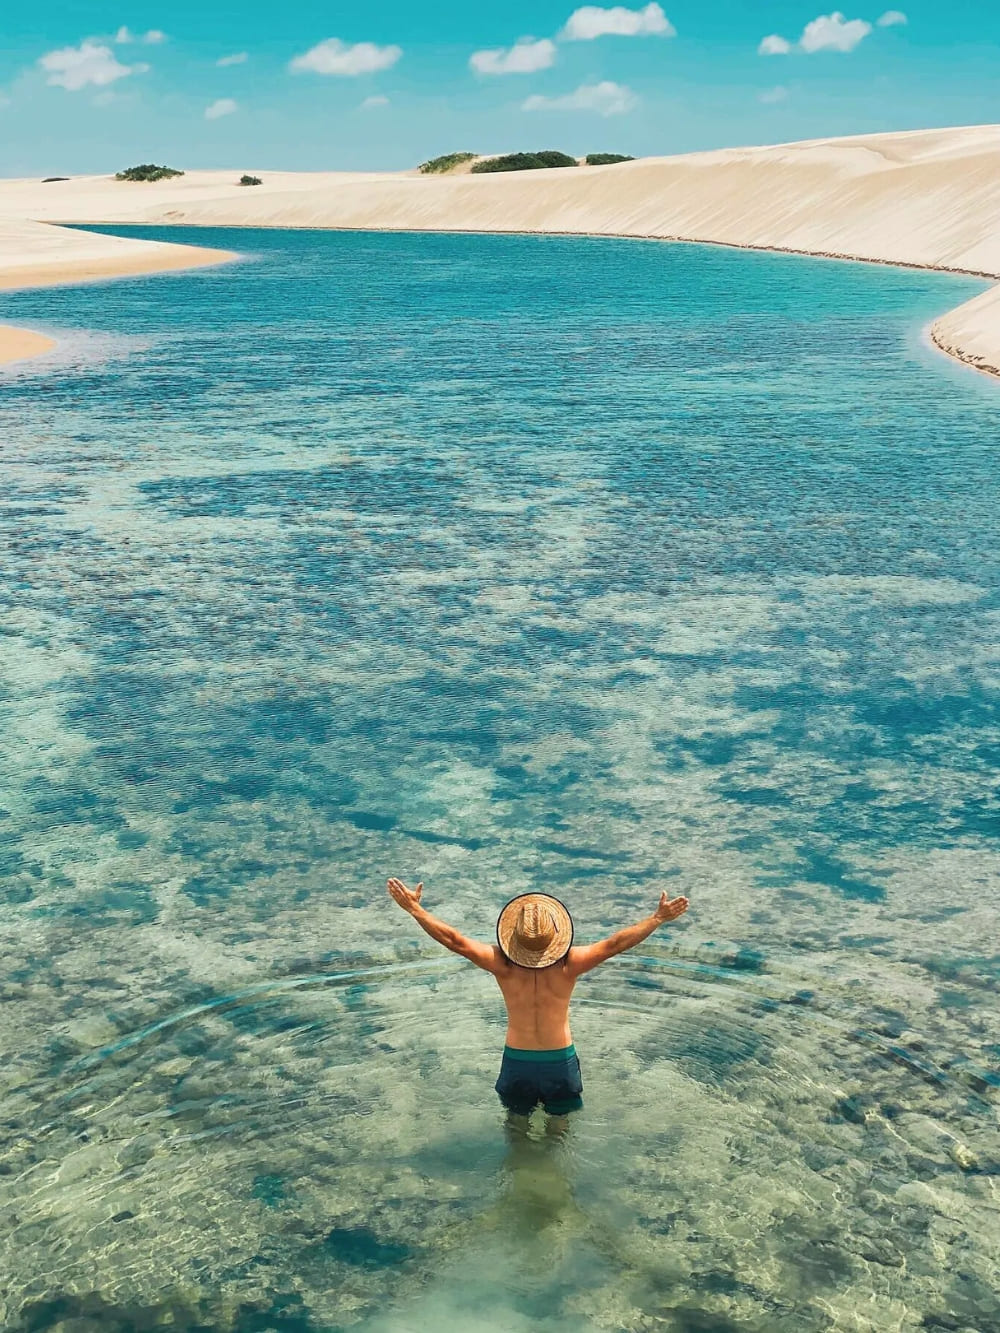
(504, 563)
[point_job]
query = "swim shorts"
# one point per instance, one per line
(550, 1077)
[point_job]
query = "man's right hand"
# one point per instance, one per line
(670, 908)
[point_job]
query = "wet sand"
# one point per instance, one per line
(22, 344)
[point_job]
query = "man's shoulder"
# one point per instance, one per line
(501, 963)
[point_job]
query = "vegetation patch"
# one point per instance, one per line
(546, 157)
(606, 159)
(147, 171)
(49, 179)
(446, 162)
(250, 180)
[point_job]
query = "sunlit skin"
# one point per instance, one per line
(537, 999)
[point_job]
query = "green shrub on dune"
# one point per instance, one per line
(605, 159)
(549, 157)
(147, 171)
(546, 157)
(250, 180)
(446, 162)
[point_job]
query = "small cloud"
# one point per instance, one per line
(772, 95)
(829, 32)
(237, 58)
(583, 25)
(832, 32)
(336, 57)
(124, 36)
(76, 67)
(606, 99)
(524, 57)
(774, 46)
(371, 102)
(224, 106)
(892, 18)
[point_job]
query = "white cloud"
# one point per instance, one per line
(524, 57)
(772, 95)
(371, 102)
(829, 32)
(832, 32)
(223, 106)
(892, 18)
(607, 99)
(237, 58)
(583, 25)
(152, 38)
(76, 67)
(336, 57)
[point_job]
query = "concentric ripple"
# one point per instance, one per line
(715, 1091)
(500, 563)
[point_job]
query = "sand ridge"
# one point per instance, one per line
(926, 198)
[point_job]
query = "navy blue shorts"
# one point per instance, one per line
(550, 1077)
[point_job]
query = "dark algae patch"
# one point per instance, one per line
(361, 1248)
(827, 870)
(95, 1314)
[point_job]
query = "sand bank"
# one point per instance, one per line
(34, 255)
(926, 198)
(22, 344)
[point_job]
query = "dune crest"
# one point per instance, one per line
(927, 198)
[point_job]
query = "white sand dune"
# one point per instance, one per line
(928, 198)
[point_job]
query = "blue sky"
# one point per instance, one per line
(104, 83)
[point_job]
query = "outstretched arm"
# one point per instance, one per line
(590, 955)
(483, 955)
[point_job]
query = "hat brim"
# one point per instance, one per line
(558, 947)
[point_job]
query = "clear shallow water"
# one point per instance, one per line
(502, 563)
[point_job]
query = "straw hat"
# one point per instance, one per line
(535, 930)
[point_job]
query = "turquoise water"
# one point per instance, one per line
(501, 563)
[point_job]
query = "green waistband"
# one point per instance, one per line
(515, 1053)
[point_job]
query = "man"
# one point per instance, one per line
(536, 966)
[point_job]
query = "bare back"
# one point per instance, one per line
(537, 1001)
(537, 998)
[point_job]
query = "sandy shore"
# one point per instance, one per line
(924, 198)
(35, 255)
(22, 344)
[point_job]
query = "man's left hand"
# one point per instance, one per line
(408, 899)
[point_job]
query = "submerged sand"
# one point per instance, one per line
(22, 344)
(927, 198)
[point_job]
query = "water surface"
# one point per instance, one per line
(504, 563)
